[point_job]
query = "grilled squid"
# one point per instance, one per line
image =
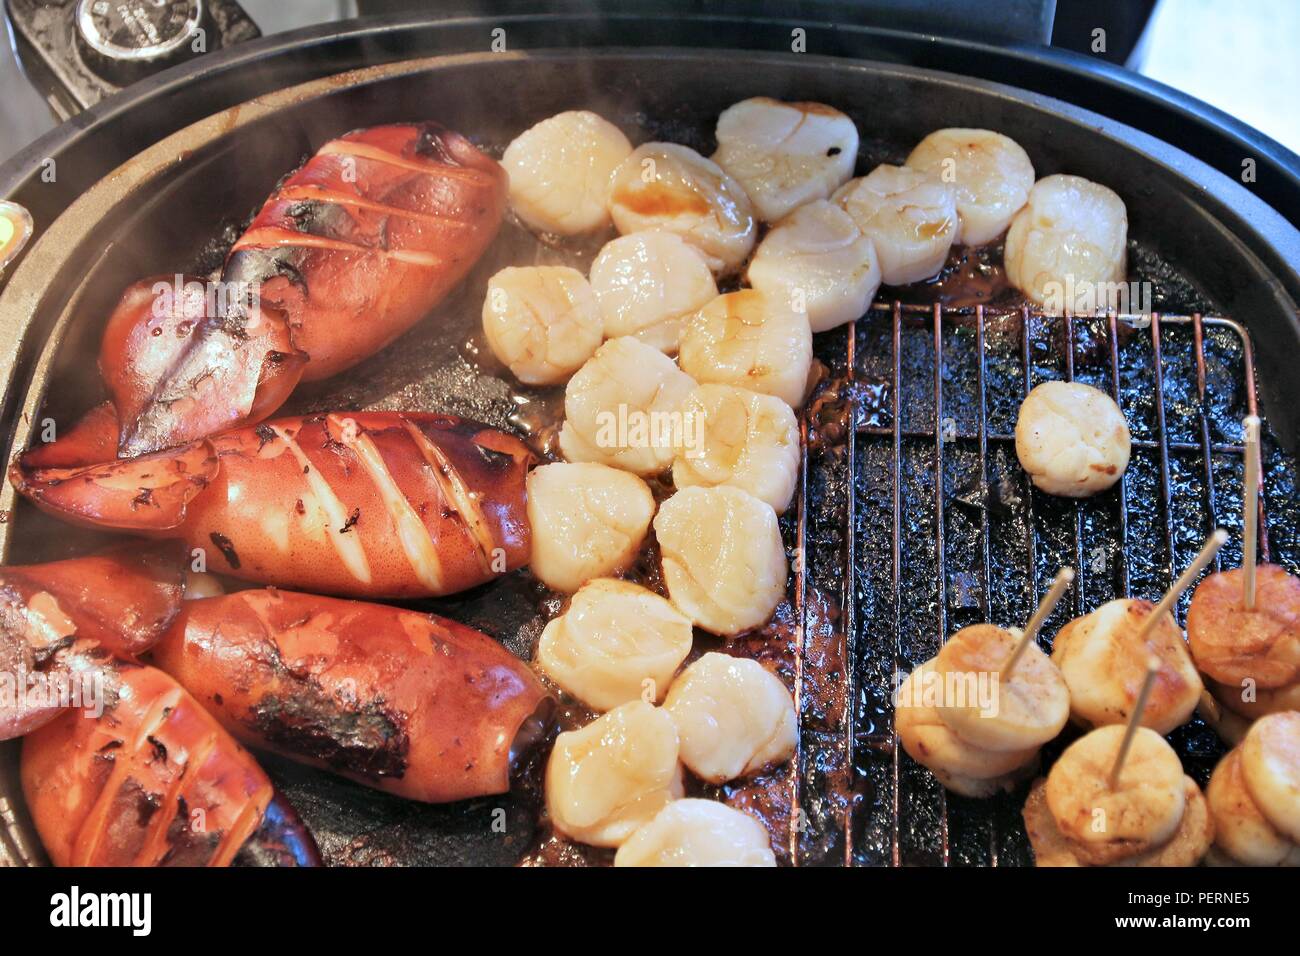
(405, 702)
(560, 172)
(1072, 439)
(154, 781)
(750, 340)
(910, 217)
(613, 776)
(819, 262)
(785, 154)
(365, 504)
(350, 251)
(1067, 247)
(698, 833)
(723, 560)
(1154, 815)
(991, 174)
(1105, 667)
(646, 284)
(58, 619)
(674, 189)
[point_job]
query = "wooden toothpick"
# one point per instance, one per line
(1250, 519)
(1054, 593)
(1134, 720)
(1212, 545)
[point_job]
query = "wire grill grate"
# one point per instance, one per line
(919, 521)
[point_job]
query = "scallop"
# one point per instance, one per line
(560, 172)
(958, 764)
(646, 283)
(1017, 711)
(820, 263)
(623, 408)
(698, 833)
(674, 189)
(785, 154)
(991, 174)
(542, 322)
(616, 642)
(1270, 766)
(910, 217)
(1072, 439)
(752, 341)
(740, 439)
(613, 776)
(1105, 823)
(1105, 666)
(723, 560)
(1240, 829)
(588, 521)
(1066, 249)
(733, 717)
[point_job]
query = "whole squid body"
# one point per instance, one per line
(350, 251)
(120, 766)
(409, 703)
(365, 504)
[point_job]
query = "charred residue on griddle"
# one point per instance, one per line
(972, 275)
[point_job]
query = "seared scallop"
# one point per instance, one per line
(1072, 439)
(1103, 823)
(673, 188)
(733, 717)
(588, 521)
(752, 341)
(1270, 765)
(990, 172)
(959, 765)
(1257, 649)
(739, 438)
(646, 283)
(560, 172)
(1104, 666)
(785, 154)
(723, 560)
(820, 263)
(623, 408)
(1066, 249)
(1016, 711)
(910, 217)
(1240, 828)
(698, 833)
(614, 775)
(541, 321)
(616, 642)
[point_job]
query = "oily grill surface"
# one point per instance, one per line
(912, 519)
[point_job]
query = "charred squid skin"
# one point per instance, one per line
(408, 703)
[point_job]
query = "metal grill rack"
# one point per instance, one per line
(920, 521)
